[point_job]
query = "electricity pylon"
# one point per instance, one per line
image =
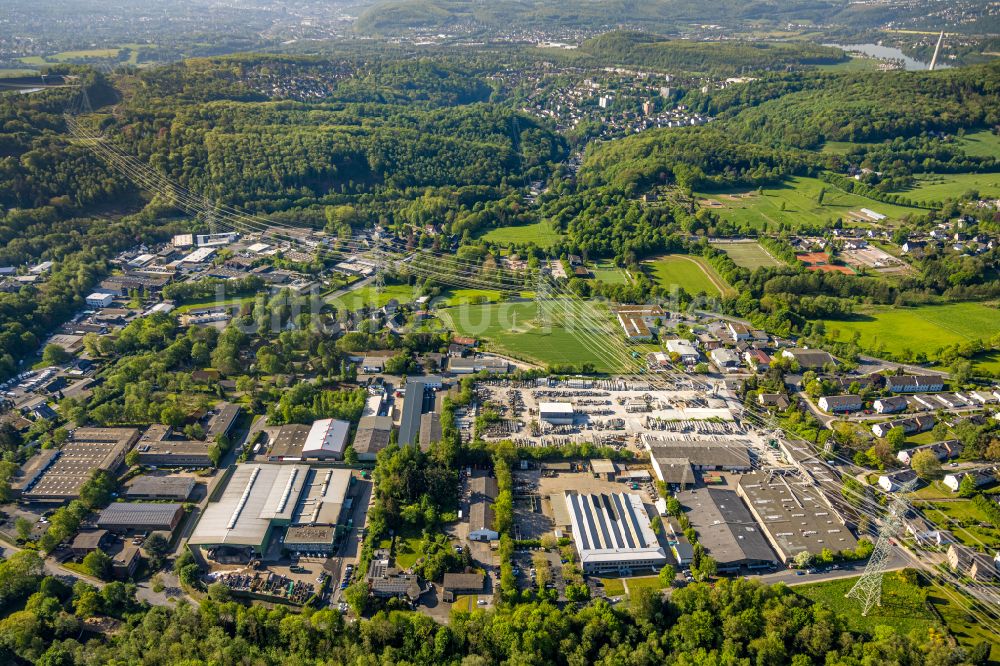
(868, 589)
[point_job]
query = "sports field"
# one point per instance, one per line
(983, 143)
(368, 297)
(515, 329)
(748, 254)
(938, 187)
(607, 272)
(691, 273)
(540, 233)
(924, 329)
(794, 204)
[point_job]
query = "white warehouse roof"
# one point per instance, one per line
(556, 408)
(326, 438)
(613, 530)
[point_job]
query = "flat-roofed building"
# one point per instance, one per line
(472, 365)
(373, 435)
(726, 529)
(556, 413)
(612, 533)
(288, 443)
(32, 470)
(456, 584)
(177, 488)
(311, 539)
(88, 450)
(794, 515)
(174, 453)
(223, 421)
(604, 468)
(140, 517)
(263, 497)
(326, 440)
(125, 562)
(684, 350)
(713, 454)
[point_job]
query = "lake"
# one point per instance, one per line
(879, 51)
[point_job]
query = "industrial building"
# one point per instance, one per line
(794, 515)
(612, 533)
(99, 299)
(177, 488)
(726, 529)
(140, 517)
(288, 443)
(556, 413)
(326, 440)
(809, 359)
(373, 435)
(470, 366)
(638, 320)
(684, 350)
(413, 408)
(156, 449)
(430, 430)
(88, 450)
(221, 424)
(483, 493)
(263, 497)
(668, 454)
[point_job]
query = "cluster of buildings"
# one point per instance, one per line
(306, 504)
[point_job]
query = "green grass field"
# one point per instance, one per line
(748, 254)
(453, 297)
(212, 303)
(613, 587)
(514, 328)
(643, 582)
(927, 328)
(368, 297)
(799, 196)
(983, 143)
(691, 273)
(903, 607)
(607, 272)
(967, 631)
(13, 73)
(938, 187)
(408, 551)
(540, 233)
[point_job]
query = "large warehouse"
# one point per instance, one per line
(794, 515)
(88, 450)
(612, 533)
(556, 413)
(261, 497)
(326, 440)
(726, 529)
(140, 517)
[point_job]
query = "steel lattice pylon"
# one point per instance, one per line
(868, 589)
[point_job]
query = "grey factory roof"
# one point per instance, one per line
(89, 449)
(256, 496)
(413, 407)
(675, 471)
(725, 527)
(223, 421)
(373, 434)
(260, 496)
(723, 453)
(794, 515)
(430, 429)
(179, 487)
(139, 515)
(289, 441)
